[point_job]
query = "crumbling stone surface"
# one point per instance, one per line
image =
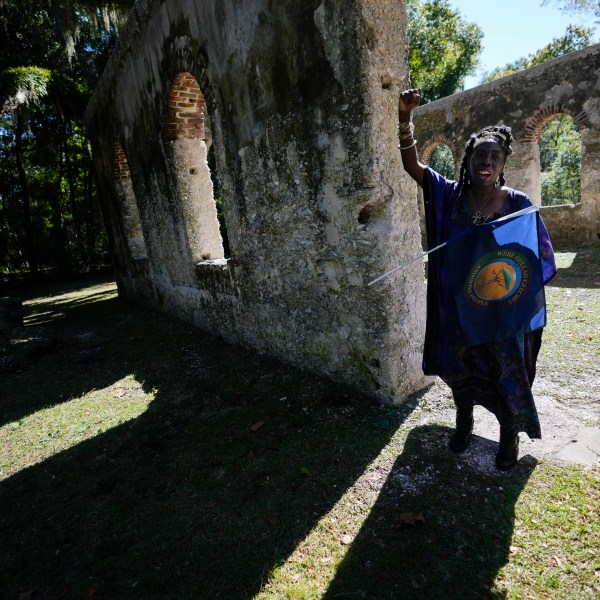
(297, 103)
(527, 101)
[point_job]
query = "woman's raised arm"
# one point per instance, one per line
(409, 99)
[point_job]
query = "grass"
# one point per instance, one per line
(144, 459)
(571, 348)
(555, 551)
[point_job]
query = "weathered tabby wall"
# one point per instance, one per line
(298, 101)
(526, 101)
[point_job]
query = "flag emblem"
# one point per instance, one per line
(497, 276)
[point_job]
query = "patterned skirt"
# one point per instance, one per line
(499, 377)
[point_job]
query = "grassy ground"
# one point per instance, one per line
(144, 459)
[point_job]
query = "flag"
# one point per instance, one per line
(496, 278)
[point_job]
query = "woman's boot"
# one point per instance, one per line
(464, 428)
(508, 453)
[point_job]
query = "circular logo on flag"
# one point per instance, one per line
(498, 276)
(498, 280)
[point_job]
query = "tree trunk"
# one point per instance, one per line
(67, 133)
(30, 241)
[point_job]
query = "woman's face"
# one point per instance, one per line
(486, 162)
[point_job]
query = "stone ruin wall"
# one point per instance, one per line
(527, 101)
(297, 102)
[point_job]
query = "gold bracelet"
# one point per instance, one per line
(408, 147)
(406, 130)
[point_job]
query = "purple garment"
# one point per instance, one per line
(497, 376)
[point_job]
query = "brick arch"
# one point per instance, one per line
(186, 109)
(128, 208)
(119, 162)
(426, 148)
(536, 124)
(188, 133)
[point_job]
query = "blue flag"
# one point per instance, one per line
(497, 279)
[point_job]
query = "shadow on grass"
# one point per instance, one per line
(70, 352)
(44, 312)
(464, 540)
(584, 271)
(231, 466)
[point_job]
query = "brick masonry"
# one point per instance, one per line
(185, 109)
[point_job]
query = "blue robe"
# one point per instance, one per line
(499, 375)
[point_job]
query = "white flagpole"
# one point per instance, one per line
(402, 266)
(519, 213)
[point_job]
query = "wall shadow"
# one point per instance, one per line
(66, 353)
(419, 541)
(201, 496)
(584, 271)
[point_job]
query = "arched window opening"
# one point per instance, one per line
(442, 161)
(560, 162)
(212, 165)
(186, 128)
(130, 214)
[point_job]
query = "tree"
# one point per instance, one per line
(443, 48)
(48, 210)
(67, 15)
(560, 162)
(442, 161)
(575, 38)
(591, 7)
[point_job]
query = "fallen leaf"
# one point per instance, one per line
(251, 456)
(513, 550)
(28, 595)
(256, 426)
(347, 539)
(415, 584)
(558, 561)
(410, 518)
(273, 519)
(326, 559)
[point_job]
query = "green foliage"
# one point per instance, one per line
(49, 218)
(560, 161)
(23, 85)
(577, 6)
(442, 161)
(507, 69)
(575, 38)
(67, 16)
(443, 48)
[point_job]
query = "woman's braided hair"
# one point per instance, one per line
(499, 133)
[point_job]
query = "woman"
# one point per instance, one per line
(497, 375)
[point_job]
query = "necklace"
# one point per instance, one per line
(478, 218)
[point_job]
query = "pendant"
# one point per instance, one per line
(478, 218)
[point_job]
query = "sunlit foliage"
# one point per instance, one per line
(575, 38)
(443, 48)
(442, 161)
(560, 161)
